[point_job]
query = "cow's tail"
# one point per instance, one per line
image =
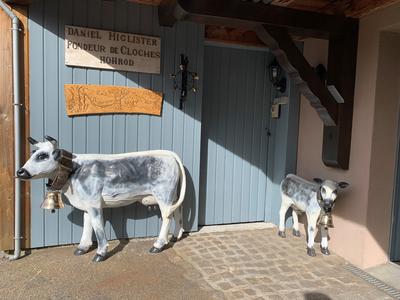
(182, 179)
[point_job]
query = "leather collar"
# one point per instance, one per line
(64, 170)
(320, 200)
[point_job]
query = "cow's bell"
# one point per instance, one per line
(326, 221)
(52, 201)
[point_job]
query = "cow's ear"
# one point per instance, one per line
(56, 154)
(343, 184)
(318, 180)
(32, 141)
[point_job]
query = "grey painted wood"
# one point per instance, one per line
(234, 140)
(65, 124)
(51, 126)
(282, 152)
(36, 117)
(175, 130)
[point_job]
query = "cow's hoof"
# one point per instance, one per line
(282, 234)
(155, 250)
(311, 252)
(173, 239)
(296, 233)
(325, 251)
(79, 252)
(99, 258)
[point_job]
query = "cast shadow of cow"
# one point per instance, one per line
(136, 211)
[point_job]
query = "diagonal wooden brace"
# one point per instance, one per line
(299, 70)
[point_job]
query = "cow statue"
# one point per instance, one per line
(92, 182)
(316, 199)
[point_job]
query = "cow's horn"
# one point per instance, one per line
(50, 139)
(32, 141)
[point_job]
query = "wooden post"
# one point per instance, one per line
(6, 136)
(342, 59)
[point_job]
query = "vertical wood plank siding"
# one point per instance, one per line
(282, 152)
(176, 130)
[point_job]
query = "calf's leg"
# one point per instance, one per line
(86, 239)
(96, 216)
(324, 241)
(178, 231)
(162, 240)
(312, 228)
(296, 231)
(282, 213)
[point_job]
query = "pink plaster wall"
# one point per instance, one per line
(363, 212)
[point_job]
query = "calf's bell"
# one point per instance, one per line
(52, 201)
(326, 221)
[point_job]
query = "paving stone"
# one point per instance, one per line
(225, 285)
(258, 264)
(250, 292)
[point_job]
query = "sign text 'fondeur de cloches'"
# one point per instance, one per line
(104, 49)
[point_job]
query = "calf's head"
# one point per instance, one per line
(43, 161)
(327, 193)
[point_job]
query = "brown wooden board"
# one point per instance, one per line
(85, 99)
(6, 136)
(7, 130)
(22, 14)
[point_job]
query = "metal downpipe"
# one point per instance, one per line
(17, 127)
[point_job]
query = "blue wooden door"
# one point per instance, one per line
(236, 104)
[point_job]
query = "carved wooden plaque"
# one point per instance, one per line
(83, 99)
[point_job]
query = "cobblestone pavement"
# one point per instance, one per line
(257, 264)
(247, 264)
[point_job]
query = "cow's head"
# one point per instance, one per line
(43, 161)
(328, 190)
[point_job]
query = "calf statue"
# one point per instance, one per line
(92, 182)
(316, 199)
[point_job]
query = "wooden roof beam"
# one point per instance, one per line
(240, 13)
(274, 26)
(274, 33)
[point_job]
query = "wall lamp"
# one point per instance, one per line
(275, 72)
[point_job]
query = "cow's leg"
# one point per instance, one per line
(312, 229)
(163, 236)
(178, 218)
(296, 231)
(96, 216)
(324, 241)
(282, 213)
(86, 239)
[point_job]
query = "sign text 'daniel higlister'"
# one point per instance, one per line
(104, 49)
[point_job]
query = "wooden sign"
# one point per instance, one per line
(104, 49)
(83, 99)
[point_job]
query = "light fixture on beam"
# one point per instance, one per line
(275, 72)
